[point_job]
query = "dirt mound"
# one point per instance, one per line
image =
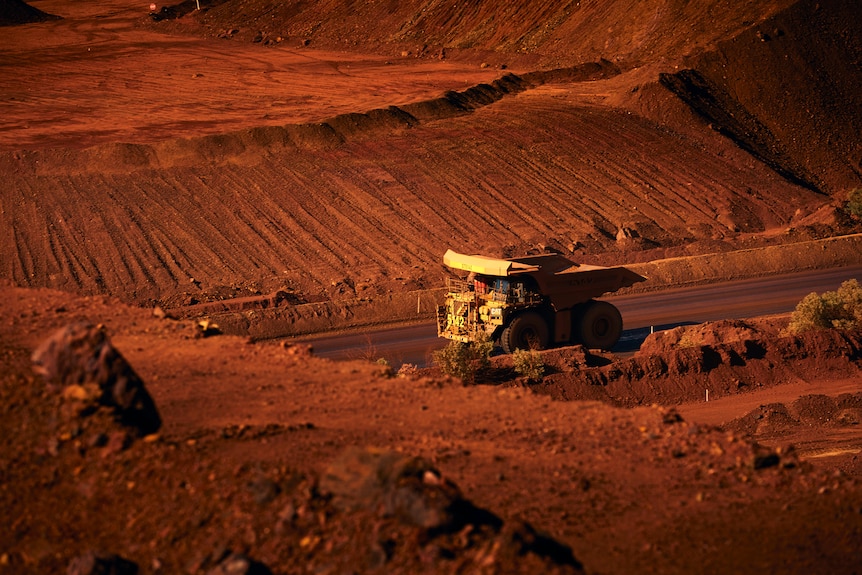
(825, 427)
(809, 410)
(14, 12)
(706, 361)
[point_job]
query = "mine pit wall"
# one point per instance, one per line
(419, 306)
(745, 87)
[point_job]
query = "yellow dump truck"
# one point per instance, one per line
(531, 302)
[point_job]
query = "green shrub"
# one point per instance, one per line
(528, 364)
(840, 309)
(464, 360)
(854, 202)
(850, 295)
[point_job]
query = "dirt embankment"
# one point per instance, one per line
(255, 145)
(542, 32)
(325, 224)
(708, 361)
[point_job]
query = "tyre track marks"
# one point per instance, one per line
(520, 174)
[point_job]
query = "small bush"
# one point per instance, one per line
(464, 360)
(854, 202)
(528, 364)
(850, 295)
(840, 309)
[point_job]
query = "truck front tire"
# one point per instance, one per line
(528, 330)
(600, 325)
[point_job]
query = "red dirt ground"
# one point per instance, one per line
(249, 455)
(334, 152)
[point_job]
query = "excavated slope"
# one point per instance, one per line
(787, 92)
(362, 212)
(552, 32)
(781, 79)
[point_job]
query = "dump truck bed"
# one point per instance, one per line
(564, 282)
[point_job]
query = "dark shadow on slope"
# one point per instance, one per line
(15, 12)
(786, 90)
(730, 118)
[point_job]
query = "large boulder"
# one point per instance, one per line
(80, 362)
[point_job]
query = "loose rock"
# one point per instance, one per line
(80, 360)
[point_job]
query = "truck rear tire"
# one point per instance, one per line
(600, 325)
(528, 330)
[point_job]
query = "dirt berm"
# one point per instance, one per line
(271, 316)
